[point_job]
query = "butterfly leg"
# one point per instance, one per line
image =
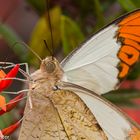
(21, 64)
(30, 102)
(26, 67)
(10, 64)
(6, 63)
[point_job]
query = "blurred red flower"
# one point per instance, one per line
(6, 107)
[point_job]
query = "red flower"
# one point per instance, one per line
(4, 83)
(133, 113)
(9, 130)
(131, 84)
(12, 103)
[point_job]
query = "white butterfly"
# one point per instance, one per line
(96, 67)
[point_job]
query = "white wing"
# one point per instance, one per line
(94, 65)
(114, 123)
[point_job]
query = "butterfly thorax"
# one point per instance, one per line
(45, 79)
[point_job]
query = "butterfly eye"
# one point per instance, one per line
(50, 67)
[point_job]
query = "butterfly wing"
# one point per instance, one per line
(42, 122)
(59, 118)
(114, 123)
(102, 61)
(77, 119)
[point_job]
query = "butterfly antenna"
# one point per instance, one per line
(50, 26)
(24, 44)
(46, 45)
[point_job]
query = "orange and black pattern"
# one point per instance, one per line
(129, 35)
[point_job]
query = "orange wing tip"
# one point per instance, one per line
(135, 133)
(131, 19)
(129, 36)
(124, 70)
(2, 103)
(9, 130)
(126, 52)
(129, 31)
(135, 44)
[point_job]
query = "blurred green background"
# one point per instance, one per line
(72, 22)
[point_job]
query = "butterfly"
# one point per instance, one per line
(64, 101)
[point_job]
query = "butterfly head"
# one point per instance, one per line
(51, 67)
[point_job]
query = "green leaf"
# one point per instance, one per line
(11, 38)
(99, 14)
(135, 73)
(71, 34)
(137, 3)
(42, 32)
(128, 5)
(39, 5)
(5, 120)
(123, 97)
